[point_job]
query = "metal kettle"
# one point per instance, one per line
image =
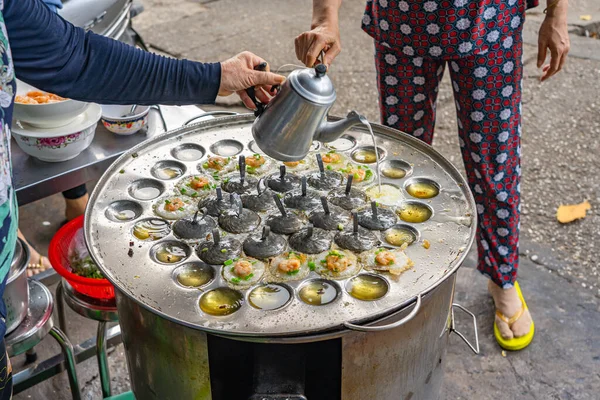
(297, 115)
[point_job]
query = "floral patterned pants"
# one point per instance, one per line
(487, 93)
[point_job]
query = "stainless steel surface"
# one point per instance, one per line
(16, 292)
(379, 328)
(71, 366)
(296, 116)
(450, 232)
(33, 179)
(313, 84)
(402, 363)
(36, 325)
(166, 361)
(474, 348)
(97, 310)
(103, 359)
(42, 370)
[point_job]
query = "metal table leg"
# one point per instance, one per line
(68, 352)
(60, 308)
(102, 359)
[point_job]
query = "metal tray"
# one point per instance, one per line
(450, 232)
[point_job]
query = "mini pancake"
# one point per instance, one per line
(394, 261)
(175, 207)
(362, 175)
(298, 166)
(196, 186)
(311, 240)
(283, 181)
(333, 160)
(377, 218)
(300, 200)
(336, 264)
(258, 164)
(216, 205)
(290, 266)
(243, 272)
(217, 165)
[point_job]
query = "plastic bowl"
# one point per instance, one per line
(112, 119)
(58, 254)
(51, 115)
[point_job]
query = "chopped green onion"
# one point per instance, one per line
(134, 155)
(340, 227)
(228, 262)
(167, 202)
(368, 174)
(257, 156)
(205, 165)
(181, 209)
(293, 272)
(311, 265)
(204, 249)
(223, 251)
(329, 167)
(226, 180)
(391, 262)
(182, 191)
(122, 171)
(251, 169)
(248, 277)
(195, 194)
(235, 280)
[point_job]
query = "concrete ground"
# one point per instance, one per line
(561, 123)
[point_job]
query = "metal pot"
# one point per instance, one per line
(16, 293)
(393, 347)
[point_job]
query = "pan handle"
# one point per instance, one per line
(393, 325)
(206, 114)
(475, 348)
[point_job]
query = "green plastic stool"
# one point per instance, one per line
(122, 396)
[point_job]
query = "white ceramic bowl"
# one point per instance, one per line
(59, 144)
(49, 115)
(112, 118)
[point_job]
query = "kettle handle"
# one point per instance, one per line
(260, 107)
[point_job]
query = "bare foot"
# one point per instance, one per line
(76, 207)
(37, 262)
(508, 303)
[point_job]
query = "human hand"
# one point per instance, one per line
(322, 37)
(554, 35)
(238, 74)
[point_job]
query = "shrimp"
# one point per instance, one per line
(255, 161)
(329, 158)
(337, 262)
(25, 100)
(291, 164)
(174, 204)
(385, 258)
(216, 163)
(242, 268)
(290, 265)
(199, 182)
(358, 174)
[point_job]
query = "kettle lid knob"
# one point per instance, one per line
(321, 70)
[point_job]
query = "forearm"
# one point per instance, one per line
(325, 12)
(55, 56)
(557, 8)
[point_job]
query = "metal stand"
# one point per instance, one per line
(36, 326)
(94, 309)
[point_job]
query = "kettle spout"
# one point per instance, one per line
(330, 131)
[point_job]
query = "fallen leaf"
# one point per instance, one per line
(571, 212)
(585, 17)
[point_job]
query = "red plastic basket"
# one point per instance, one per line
(58, 254)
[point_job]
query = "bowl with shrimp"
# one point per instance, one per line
(45, 110)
